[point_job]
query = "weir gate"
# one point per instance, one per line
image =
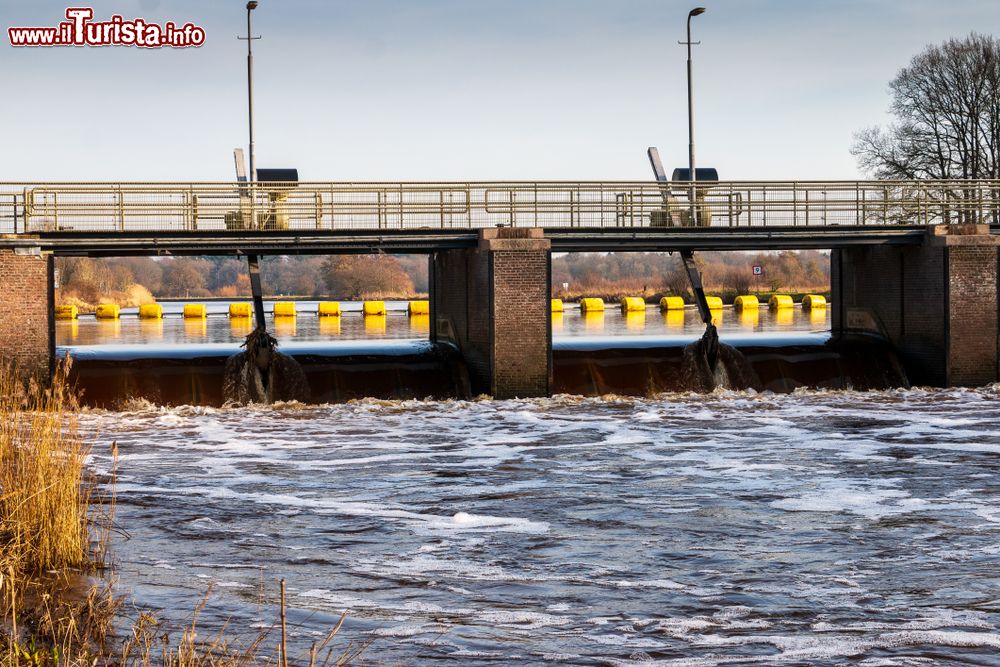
(915, 261)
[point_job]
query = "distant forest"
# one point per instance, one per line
(132, 280)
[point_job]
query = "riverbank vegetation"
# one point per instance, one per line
(57, 601)
(612, 276)
(132, 281)
(53, 529)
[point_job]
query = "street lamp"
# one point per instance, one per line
(252, 260)
(691, 172)
(252, 5)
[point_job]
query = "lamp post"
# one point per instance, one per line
(252, 261)
(691, 172)
(252, 5)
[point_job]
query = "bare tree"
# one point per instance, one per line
(947, 108)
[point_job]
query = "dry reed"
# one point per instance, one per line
(55, 529)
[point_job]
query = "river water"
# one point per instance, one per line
(219, 328)
(814, 528)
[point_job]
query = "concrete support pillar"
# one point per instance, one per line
(937, 303)
(493, 303)
(27, 326)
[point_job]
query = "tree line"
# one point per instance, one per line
(133, 280)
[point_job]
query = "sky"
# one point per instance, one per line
(456, 90)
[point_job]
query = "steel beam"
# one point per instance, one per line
(580, 239)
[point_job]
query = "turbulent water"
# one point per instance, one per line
(734, 528)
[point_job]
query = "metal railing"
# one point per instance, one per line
(242, 207)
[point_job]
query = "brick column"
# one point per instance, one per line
(937, 303)
(492, 302)
(27, 327)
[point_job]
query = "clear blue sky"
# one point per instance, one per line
(466, 89)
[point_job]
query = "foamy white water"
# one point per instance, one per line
(812, 528)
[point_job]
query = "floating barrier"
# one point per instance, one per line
(714, 302)
(240, 310)
(67, 312)
(419, 308)
(150, 311)
(108, 311)
(672, 303)
(810, 301)
(592, 305)
(373, 308)
(557, 305)
(328, 309)
(746, 302)
(633, 304)
(779, 301)
(195, 311)
(283, 309)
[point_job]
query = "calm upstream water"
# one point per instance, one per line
(808, 529)
(219, 328)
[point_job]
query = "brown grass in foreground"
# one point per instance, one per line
(55, 532)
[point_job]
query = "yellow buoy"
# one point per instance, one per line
(672, 303)
(195, 311)
(746, 302)
(240, 310)
(67, 312)
(108, 311)
(150, 311)
(284, 309)
(328, 309)
(373, 308)
(592, 305)
(633, 304)
(714, 302)
(557, 305)
(779, 301)
(813, 301)
(419, 308)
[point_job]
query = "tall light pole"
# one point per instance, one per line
(692, 175)
(252, 261)
(252, 5)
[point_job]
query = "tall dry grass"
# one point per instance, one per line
(43, 497)
(49, 536)
(55, 531)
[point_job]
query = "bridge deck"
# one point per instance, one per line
(199, 218)
(634, 239)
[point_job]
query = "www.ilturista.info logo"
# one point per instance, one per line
(79, 30)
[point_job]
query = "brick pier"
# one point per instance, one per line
(493, 303)
(936, 302)
(27, 327)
